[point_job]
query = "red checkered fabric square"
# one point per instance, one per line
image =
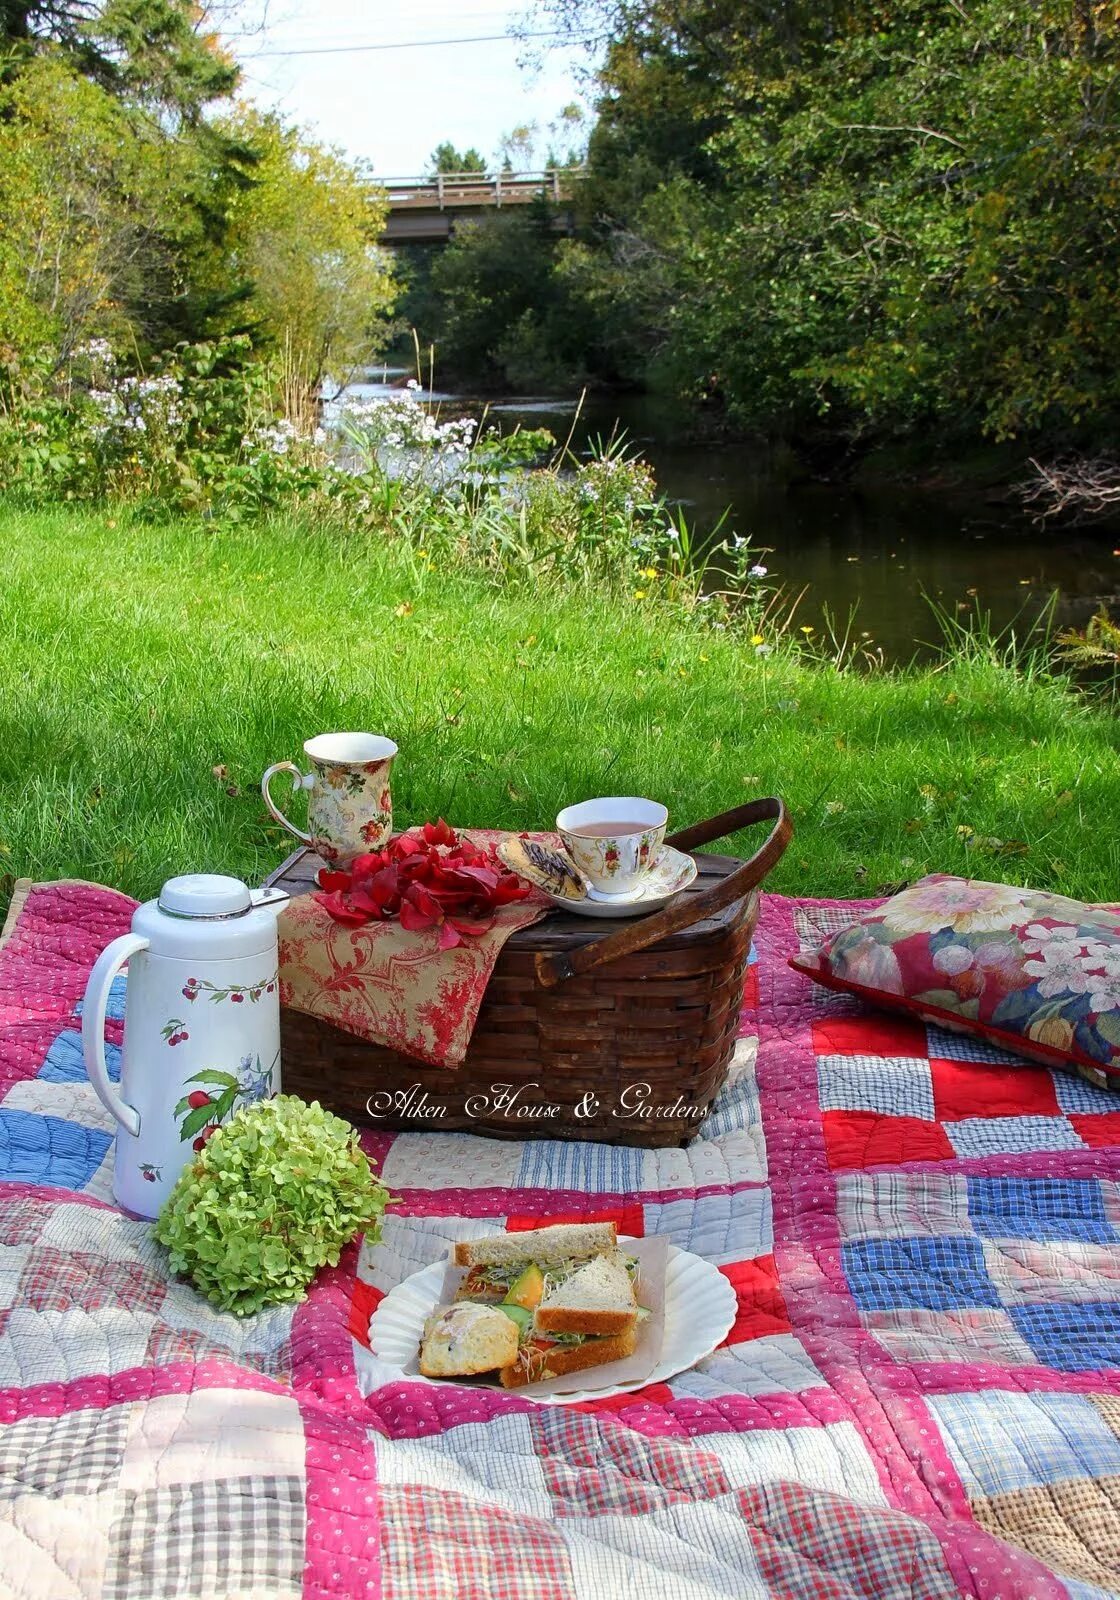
(628, 1219)
(968, 1089)
(869, 1036)
(444, 1546)
(807, 1542)
(22, 1219)
(595, 1467)
(1098, 1131)
(762, 1310)
(869, 1139)
(58, 1280)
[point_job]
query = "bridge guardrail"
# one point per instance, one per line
(454, 189)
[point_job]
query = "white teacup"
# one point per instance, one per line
(613, 841)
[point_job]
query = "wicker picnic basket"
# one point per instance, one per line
(623, 1036)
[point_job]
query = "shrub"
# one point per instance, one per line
(272, 1196)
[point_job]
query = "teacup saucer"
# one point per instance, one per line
(553, 872)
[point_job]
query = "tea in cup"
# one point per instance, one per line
(613, 842)
(350, 806)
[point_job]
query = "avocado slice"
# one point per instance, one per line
(518, 1314)
(527, 1290)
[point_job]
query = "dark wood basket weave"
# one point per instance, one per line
(588, 1030)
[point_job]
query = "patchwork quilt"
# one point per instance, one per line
(920, 1396)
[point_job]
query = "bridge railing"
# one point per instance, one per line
(448, 190)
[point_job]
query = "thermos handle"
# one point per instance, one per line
(298, 782)
(105, 969)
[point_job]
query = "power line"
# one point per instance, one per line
(411, 44)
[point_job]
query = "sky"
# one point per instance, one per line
(393, 106)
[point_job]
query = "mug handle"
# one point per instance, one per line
(298, 782)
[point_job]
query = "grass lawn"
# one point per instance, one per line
(138, 662)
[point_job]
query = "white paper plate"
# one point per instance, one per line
(700, 1308)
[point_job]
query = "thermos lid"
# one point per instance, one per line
(207, 895)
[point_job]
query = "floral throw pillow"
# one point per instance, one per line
(1035, 973)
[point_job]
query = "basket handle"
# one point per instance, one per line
(687, 909)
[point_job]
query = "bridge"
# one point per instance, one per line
(429, 208)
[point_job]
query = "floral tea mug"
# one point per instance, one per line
(349, 807)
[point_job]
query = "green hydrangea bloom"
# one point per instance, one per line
(271, 1197)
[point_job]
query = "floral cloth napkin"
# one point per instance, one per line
(391, 986)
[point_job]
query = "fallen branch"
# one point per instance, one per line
(1073, 489)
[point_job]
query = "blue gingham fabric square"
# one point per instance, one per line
(936, 1274)
(43, 1149)
(65, 1063)
(943, 1045)
(896, 1086)
(733, 1225)
(1082, 1337)
(579, 1164)
(1000, 1441)
(993, 1136)
(1076, 1095)
(1040, 1208)
(736, 1106)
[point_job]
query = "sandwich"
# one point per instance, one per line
(462, 1340)
(568, 1295)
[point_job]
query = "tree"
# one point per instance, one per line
(85, 194)
(863, 219)
(446, 158)
(303, 237)
(155, 53)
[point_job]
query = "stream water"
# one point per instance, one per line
(881, 554)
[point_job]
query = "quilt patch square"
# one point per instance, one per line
(897, 1086)
(592, 1468)
(1000, 1440)
(80, 1453)
(1076, 1094)
(214, 1436)
(54, 1280)
(978, 1334)
(39, 1149)
(964, 1089)
(1029, 1272)
(992, 1136)
(762, 1307)
(737, 1106)
(869, 1034)
(1040, 1208)
(723, 1227)
(833, 1459)
(580, 1164)
(1097, 1131)
(65, 1063)
(878, 1205)
(498, 1461)
(236, 1536)
(444, 1543)
(931, 1273)
(801, 1535)
(1072, 1337)
(1069, 1526)
(868, 1139)
(946, 1045)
